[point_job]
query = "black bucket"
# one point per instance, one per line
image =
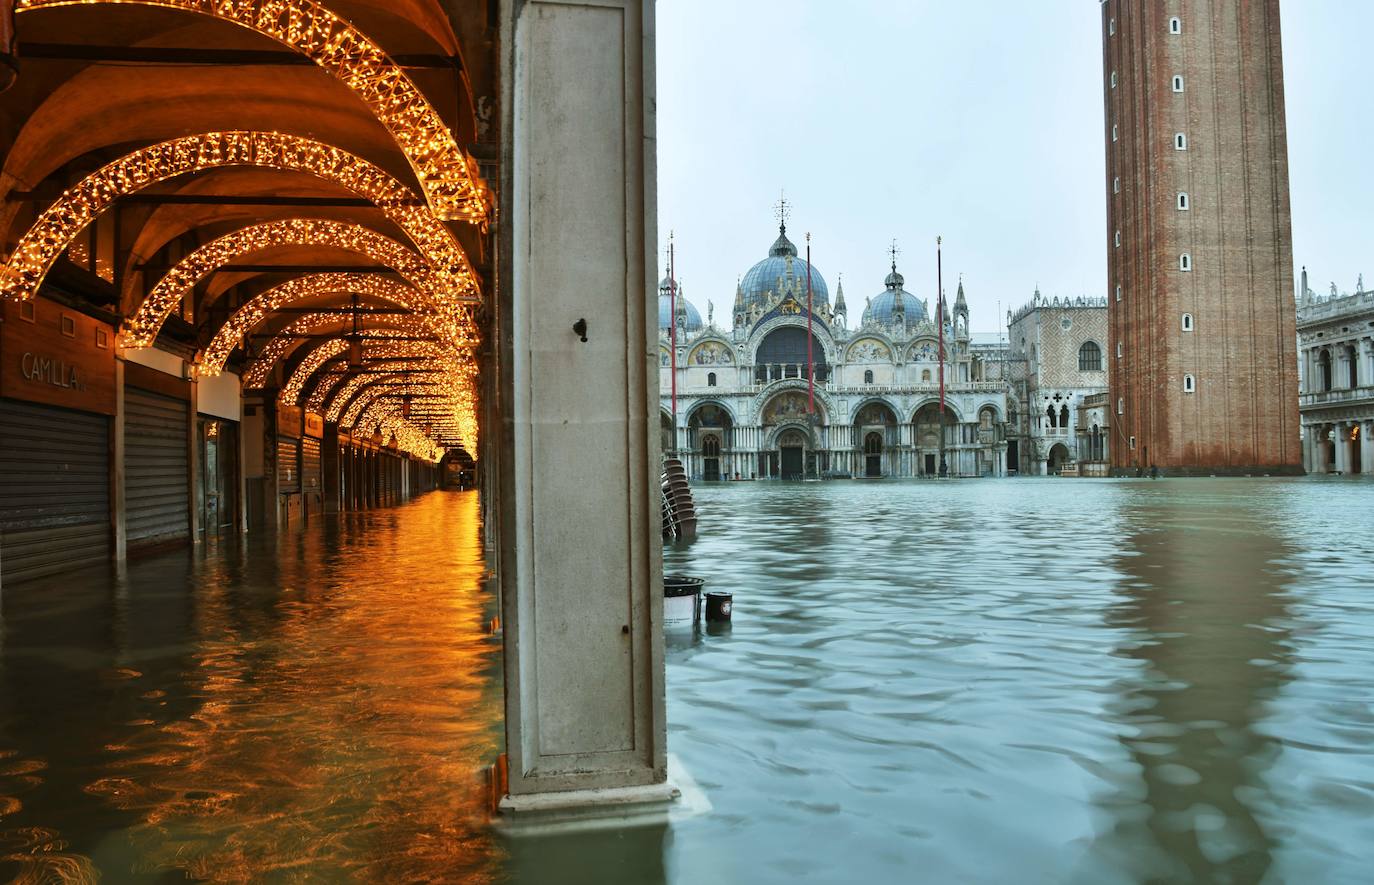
(718, 605)
(681, 599)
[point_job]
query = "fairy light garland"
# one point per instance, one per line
(453, 189)
(459, 330)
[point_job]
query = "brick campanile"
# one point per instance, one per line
(1203, 343)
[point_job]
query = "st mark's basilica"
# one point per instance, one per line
(744, 410)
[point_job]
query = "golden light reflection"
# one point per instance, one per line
(335, 736)
(447, 175)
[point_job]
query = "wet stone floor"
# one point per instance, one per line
(967, 681)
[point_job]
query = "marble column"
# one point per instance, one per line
(1309, 448)
(1342, 448)
(584, 674)
(1367, 448)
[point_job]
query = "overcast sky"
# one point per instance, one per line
(981, 122)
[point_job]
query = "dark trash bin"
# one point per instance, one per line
(681, 599)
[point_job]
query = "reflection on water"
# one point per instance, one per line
(317, 707)
(995, 681)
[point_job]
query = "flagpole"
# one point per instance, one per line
(940, 319)
(672, 330)
(810, 366)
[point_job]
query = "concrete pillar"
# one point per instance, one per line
(1342, 448)
(582, 598)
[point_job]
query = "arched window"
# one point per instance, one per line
(710, 379)
(1175, 25)
(868, 376)
(1182, 202)
(1324, 361)
(1063, 416)
(985, 419)
(925, 375)
(1121, 406)
(786, 347)
(1089, 357)
(710, 447)
(1189, 384)
(1178, 82)
(1180, 142)
(1118, 293)
(1116, 240)
(1187, 322)
(1185, 262)
(1050, 413)
(873, 444)
(1352, 364)
(1116, 185)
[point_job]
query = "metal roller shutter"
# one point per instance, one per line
(157, 500)
(312, 476)
(288, 471)
(54, 490)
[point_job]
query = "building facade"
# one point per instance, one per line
(1058, 364)
(744, 409)
(1199, 241)
(1336, 344)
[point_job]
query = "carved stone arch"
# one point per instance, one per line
(870, 400)
(822, 335)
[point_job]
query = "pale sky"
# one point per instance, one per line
(980, 122)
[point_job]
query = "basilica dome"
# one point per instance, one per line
(782, 264)
(665, 308)
(882, 307)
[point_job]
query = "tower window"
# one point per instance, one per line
(1118, 239)
(1180, 142)
(1113, 79)
(1118, 293)
(1189, 385)
(1182, 202)
(1132, 442)
(1175, 25)
(1111, 27)
(1118, 350)
(1187, 322)
(1121, 410)
(1185, 262)
(1116, 185)
(868, 376)
(710, 379)
(1114, 132)
(1178, 83)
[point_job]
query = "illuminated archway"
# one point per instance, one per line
(255, 376)
(446, 174)
(460, 330)
(58, 226)
(141, 329)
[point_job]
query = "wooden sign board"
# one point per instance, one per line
(54, 355)
(314, 425)
(289, 420)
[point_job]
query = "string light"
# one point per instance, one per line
(459, 330)
(255, 376)
(79, 205)
(445, 173)
(141, 329)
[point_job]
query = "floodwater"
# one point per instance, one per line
(1026, 680)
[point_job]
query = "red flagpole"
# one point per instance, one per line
(672, 331)
(940, 319)
(810, 369)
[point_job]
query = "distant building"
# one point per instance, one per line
(1199, 241)
(1057, 381)
(743, 408)
(1336, 368)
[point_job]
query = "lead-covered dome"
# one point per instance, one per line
(782, 271)
(665, 308)
(883, 307)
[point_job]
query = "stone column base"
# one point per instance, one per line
(567, 811)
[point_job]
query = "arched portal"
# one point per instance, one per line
(876, 433)
(873, 454)
(792, 447)
(788, 416)
(931, 442)
(710, 436)
(1059, 456)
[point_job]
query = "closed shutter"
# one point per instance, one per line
(157, 494)
(54, 490)
(288, 470)
(311, 474)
